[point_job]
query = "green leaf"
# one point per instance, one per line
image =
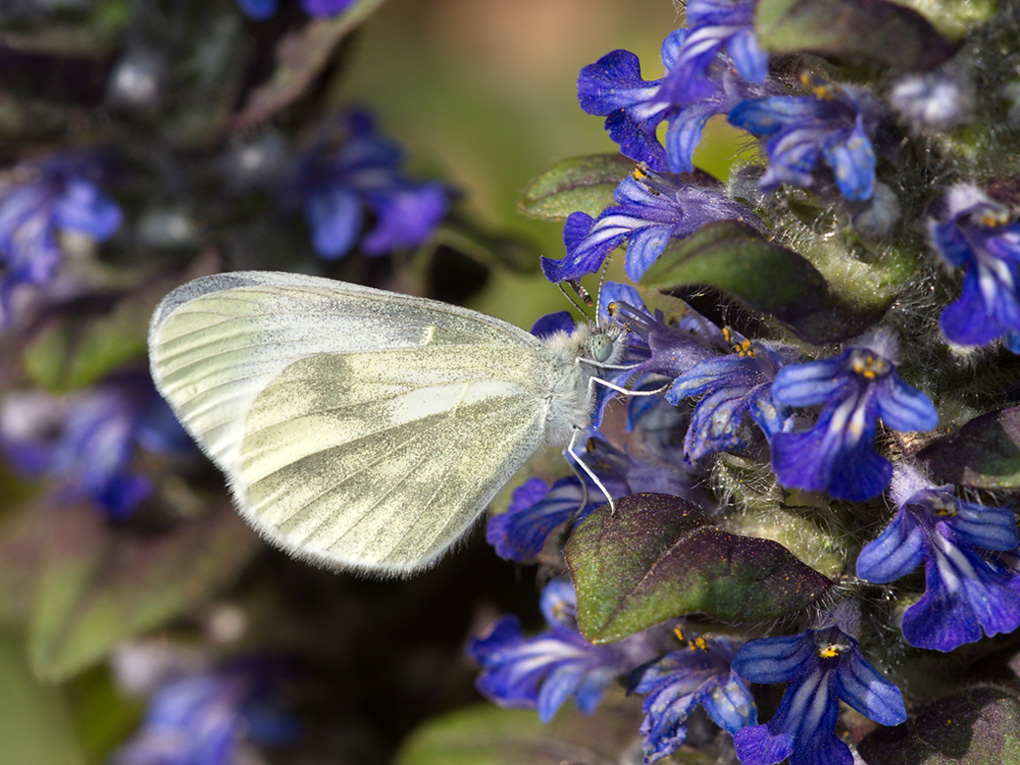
(953, 17)
(977, 727)
(21, 546)
(581, 184)
(100, 584)
(301, 56)
(488, 735)
(870, 31)
(657, 556)
(83, 344)
(735, 258)
(984, 453)
(34, 723)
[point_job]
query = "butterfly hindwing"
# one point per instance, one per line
(383, 459)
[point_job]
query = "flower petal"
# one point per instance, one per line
(861, 686)
(852, 160)
(83, 207)
(904, 407)
(897, 551)
(774, 659)
(335, 215)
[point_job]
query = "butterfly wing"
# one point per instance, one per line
(358, 428)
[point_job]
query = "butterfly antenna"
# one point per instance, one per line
(579, 291)
(602, 282)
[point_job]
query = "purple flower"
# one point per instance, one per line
(856, 389)
(337, 186)
(975, 233)
(967, 585)
(536, 509)
(823, 667)
(87, 441)
(207, 717)
(38, 199)
(714, 25)
(834, 123)
(668, 342)
(260, 10)
(680, 681)
(652, 209)
(731, 386)
(543, 671)
(613, 88)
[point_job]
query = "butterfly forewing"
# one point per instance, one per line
(216, 342)
(364, 460)
(357, 427)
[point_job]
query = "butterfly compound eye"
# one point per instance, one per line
(602, 348)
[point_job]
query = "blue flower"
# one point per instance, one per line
(822, 666)
(680, 681)
(857, 388)
(731, 386)
(536, 509)
(260, 10)
(651, 210)
(338, 186)
(543, 671)
(714, 25)
(668, 342)
(205, 718)
(613, 88)
(88, 440)
(835, 123)
(967, 586)
(38, 199)
(975, 233)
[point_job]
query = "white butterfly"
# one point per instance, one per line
(359, 428)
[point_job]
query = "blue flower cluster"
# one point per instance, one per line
(823, 417)
(201, 713)
(87, 441)
(38, 201)
(338, 184)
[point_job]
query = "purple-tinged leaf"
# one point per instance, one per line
(582, 184)
(983, 453)
(301, 56)
(485, 733)
(658, 556)
(736, 259)
(870, 31)
(976, 726)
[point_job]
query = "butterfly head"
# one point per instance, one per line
(606, 344)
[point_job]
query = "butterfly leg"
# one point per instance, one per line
(578, 466)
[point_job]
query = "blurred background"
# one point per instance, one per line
(131, 634)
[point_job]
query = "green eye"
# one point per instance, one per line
(601, 348)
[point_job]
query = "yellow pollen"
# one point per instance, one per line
(678, 631)
(820, 90)
(943, 508)
(726, 334)
(699, 643)
(993, 219)
(638, 173)
(869, 366)
(830, 651)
